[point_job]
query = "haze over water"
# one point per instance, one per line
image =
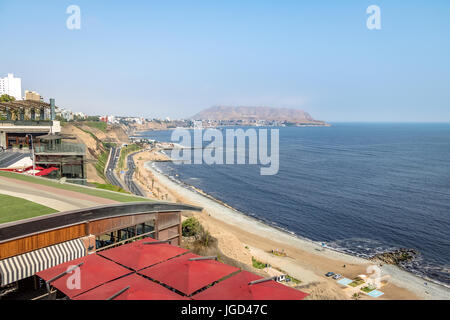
(361, 188)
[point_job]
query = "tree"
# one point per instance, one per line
(6, 98)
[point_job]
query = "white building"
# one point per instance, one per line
(11, 86)
(112, 120)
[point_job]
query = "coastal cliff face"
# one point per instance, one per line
(94, 139)
(153, 125)
(254, 113)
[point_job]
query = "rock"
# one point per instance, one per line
(396, 257)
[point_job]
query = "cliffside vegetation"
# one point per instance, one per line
(124, 152)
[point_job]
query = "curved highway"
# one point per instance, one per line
(131, 185)
(110, 175)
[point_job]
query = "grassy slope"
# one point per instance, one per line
(97, 124)
(13, 209)
(120, 197)
(101, 164)
(110, 187)
(103, 157)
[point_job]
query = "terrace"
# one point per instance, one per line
(26, 110)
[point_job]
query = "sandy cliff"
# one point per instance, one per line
(93, 139)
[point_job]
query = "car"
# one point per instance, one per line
(329, 274)
(337, 276)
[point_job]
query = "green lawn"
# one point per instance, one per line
(13, 209)
(97, 124)
(367, 289)
(116, 196)
(110, 187)
(356, 282)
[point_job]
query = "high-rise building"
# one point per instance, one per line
(11, 86)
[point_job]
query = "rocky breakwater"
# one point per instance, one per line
(396, 257)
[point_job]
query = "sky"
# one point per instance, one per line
(172, 59)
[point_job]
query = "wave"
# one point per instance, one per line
(358, 247)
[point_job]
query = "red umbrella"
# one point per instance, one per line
(93, 271)
(188, 276)
(132, 287)
(237, 287)
(138, 255)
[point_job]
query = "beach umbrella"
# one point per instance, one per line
(188, 273)
(240, 287)
(131, 287)
(143, 253)
(93, 271)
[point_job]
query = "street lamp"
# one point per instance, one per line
(32, 153)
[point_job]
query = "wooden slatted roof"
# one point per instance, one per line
(24, 104)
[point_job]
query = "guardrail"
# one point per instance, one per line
(37, 123)
(61, 148)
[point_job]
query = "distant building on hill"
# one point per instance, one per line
(11, 86)
(32, 95)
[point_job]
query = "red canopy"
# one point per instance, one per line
(237, 288)
(140, 289)
(138, 255)
(188, 276)
(46, 171)
(95, 271)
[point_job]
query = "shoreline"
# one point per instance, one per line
(241, 223)
(138, 132)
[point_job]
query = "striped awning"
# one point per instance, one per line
(27, 264)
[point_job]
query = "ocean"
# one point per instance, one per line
(362, 188)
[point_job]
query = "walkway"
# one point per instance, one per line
(58, 199)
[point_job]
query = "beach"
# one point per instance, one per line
(241, 237)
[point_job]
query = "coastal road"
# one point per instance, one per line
(131, 185)
(110, 175)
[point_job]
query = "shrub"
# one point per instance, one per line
(191, 227)
(258, 264)
(204, 237)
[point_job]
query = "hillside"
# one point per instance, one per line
(254, 113)
(94, 138)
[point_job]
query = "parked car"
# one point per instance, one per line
(337, 276)
(329, 274)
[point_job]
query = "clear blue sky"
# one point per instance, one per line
(174, 58)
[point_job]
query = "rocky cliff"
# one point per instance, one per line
(254, 113)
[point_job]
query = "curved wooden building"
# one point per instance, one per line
(35, 244)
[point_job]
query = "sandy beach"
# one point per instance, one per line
(241, 237)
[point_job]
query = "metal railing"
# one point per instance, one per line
(47, 123)
(131, 239)
(65, 147)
